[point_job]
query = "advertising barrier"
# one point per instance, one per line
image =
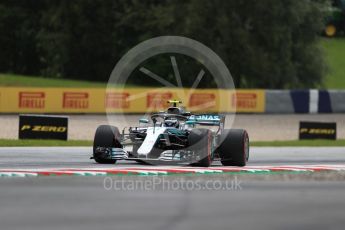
(317, 130)
(43, 127)
(129, 100)
(305, 101)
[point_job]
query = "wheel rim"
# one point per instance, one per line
(246, 146)
(330, 30)
(209, 147)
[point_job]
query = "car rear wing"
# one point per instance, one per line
(206, 119)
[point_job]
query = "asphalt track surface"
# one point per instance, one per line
(71, 202)
(78, 157)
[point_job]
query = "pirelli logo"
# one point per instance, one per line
(117, 100)
(75, 100)
(317, 130)
(244, 100)
(202, 100)
(158, 100)
(32, 100)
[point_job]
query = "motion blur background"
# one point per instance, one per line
(287, 59)
(55, 51)
(266, 44)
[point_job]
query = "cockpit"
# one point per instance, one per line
(171, 122)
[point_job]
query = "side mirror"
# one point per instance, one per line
(190, 122)
(144, 120)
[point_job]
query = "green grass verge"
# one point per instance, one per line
(12, 80)
(31, 81)
(297, 143)
(12, 142)
(316, 143)
(335, 56)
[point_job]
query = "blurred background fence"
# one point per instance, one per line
(142, 100)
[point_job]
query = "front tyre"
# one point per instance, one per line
(106, 136)
(200, 141)
(234, 147)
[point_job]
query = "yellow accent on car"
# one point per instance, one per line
(174, 102)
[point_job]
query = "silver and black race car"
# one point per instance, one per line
(173, 137)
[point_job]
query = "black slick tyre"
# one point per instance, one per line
(106, 136)
(234, 147)
(200, 142)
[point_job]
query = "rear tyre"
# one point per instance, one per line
(106, 136)
(200, 142)
(234, 147)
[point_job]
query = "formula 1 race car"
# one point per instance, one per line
(173, 137)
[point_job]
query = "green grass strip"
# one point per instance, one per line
(335, 56)
(299, 143)
(35, 81)
(43, 143)
(13, 80)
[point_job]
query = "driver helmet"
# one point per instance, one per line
(171, 123)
